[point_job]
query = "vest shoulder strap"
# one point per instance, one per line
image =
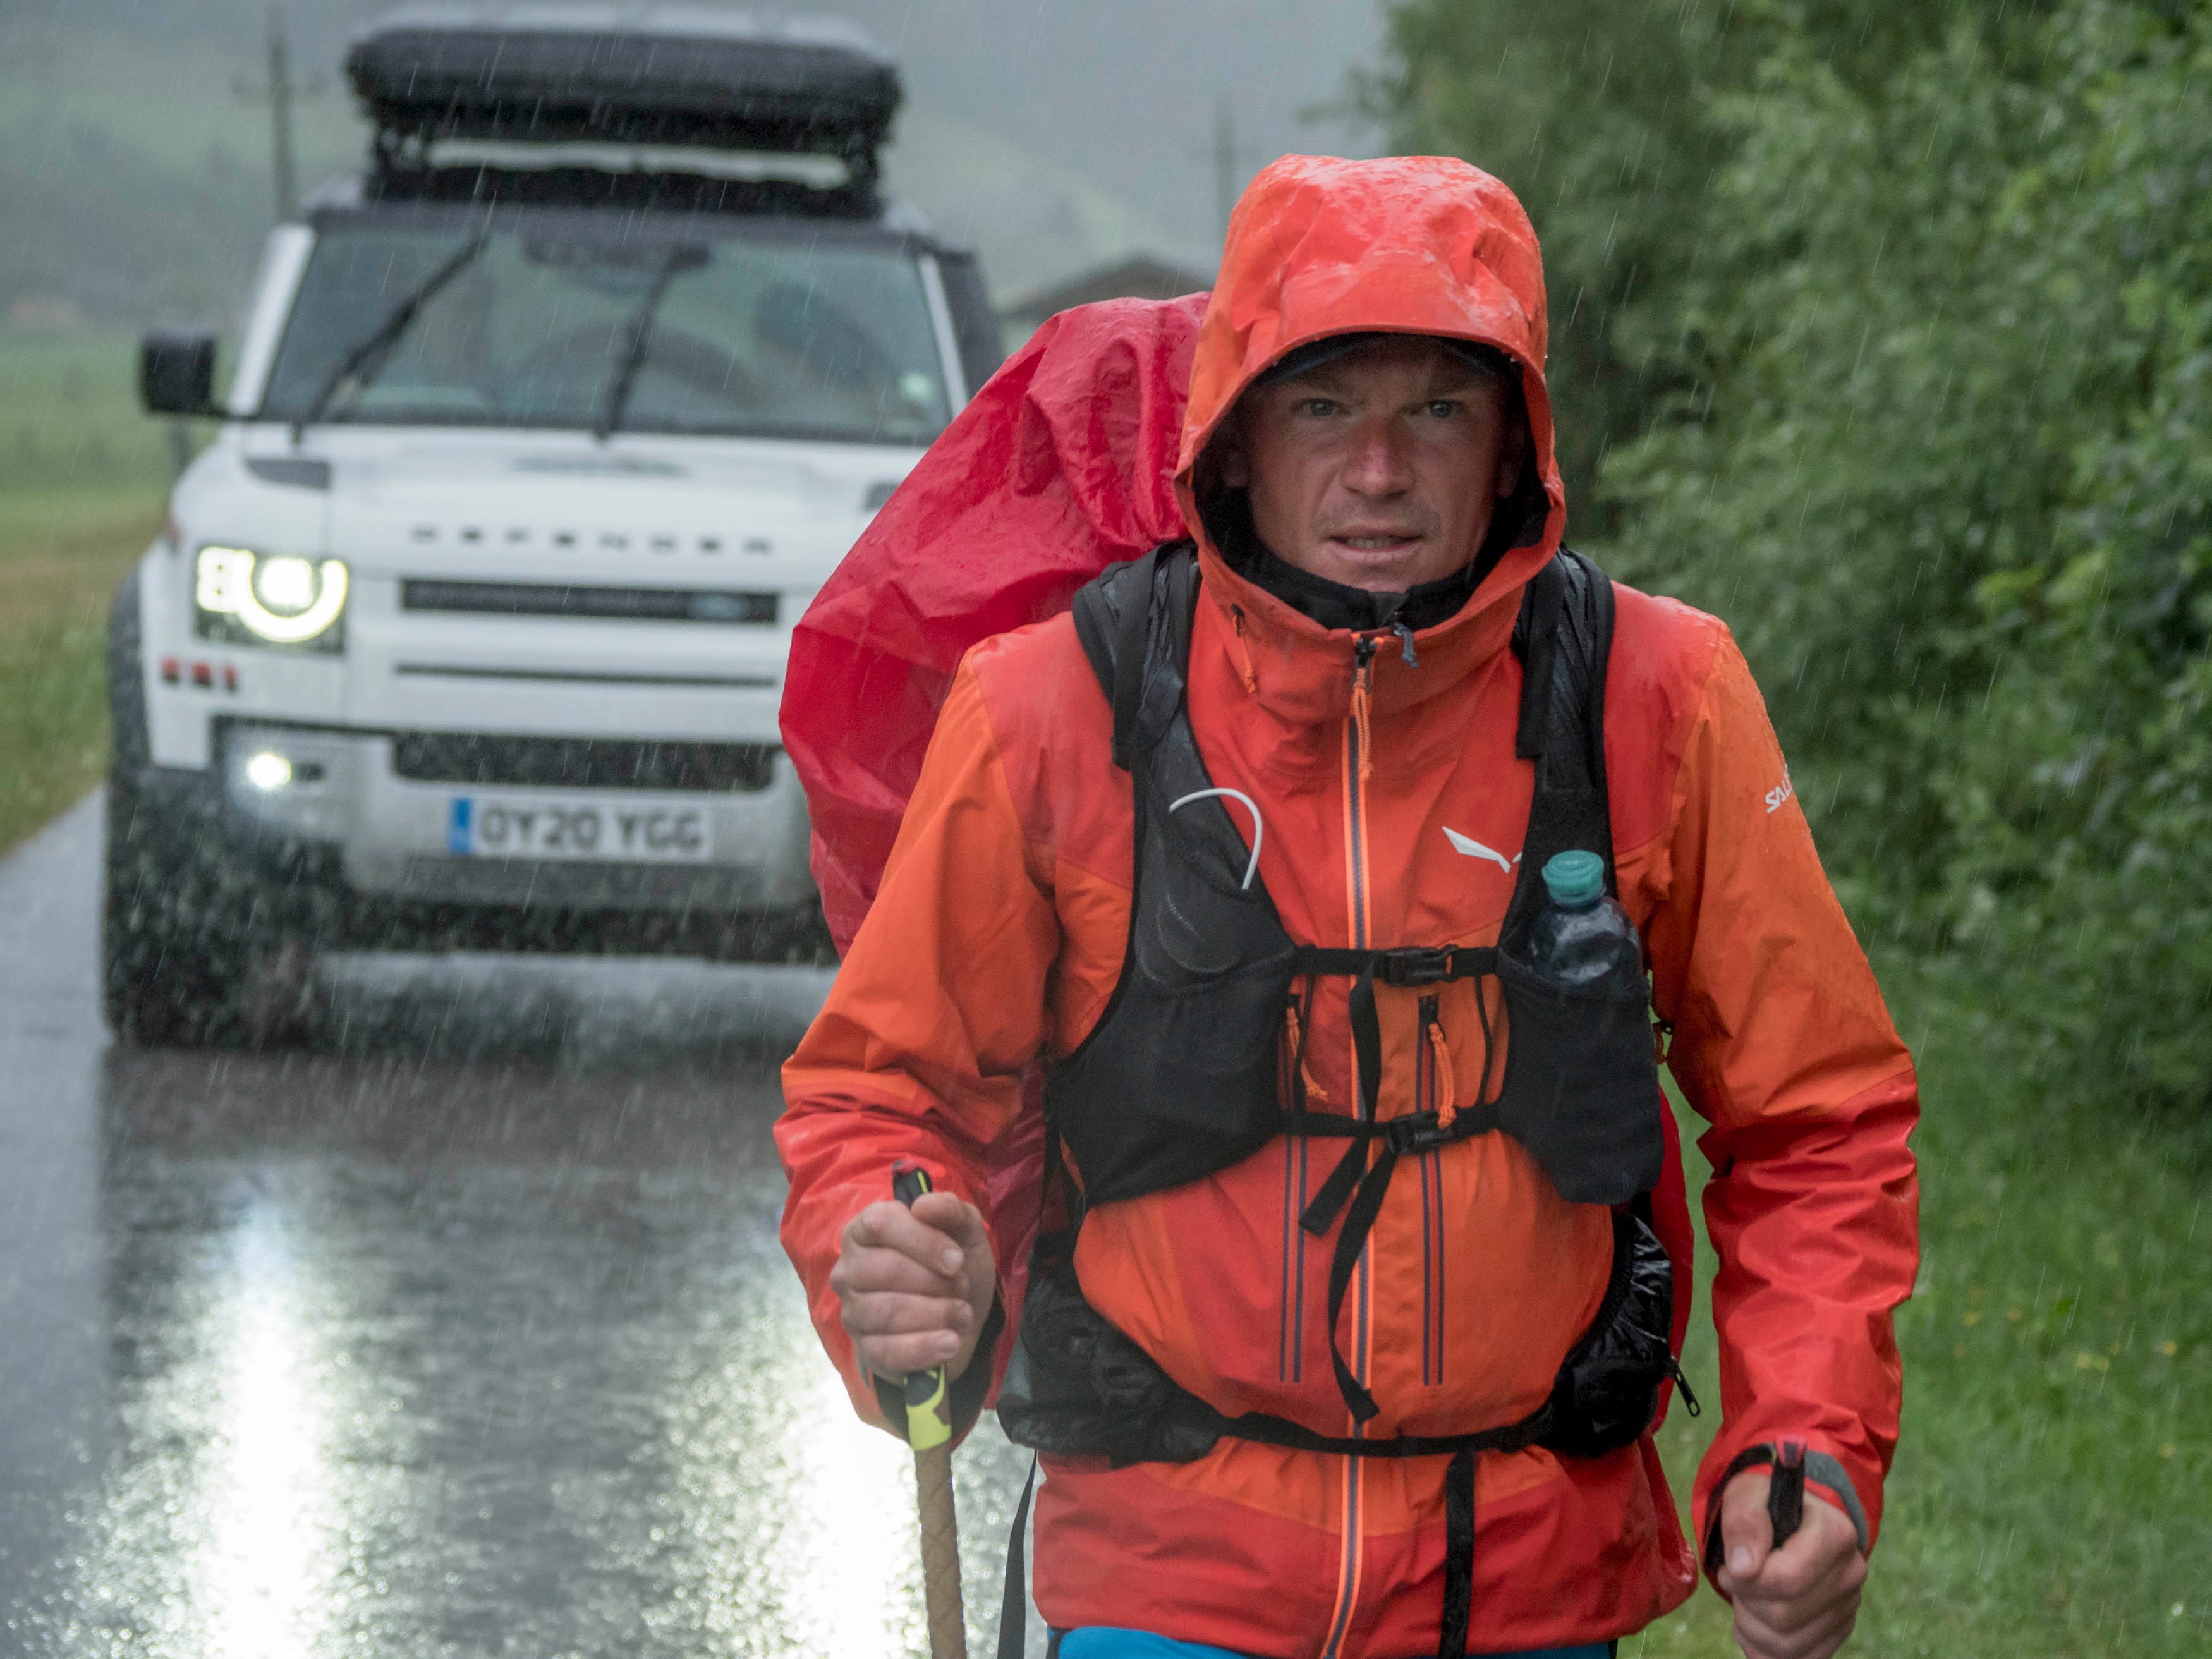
(1133, 617)
(1563, 637)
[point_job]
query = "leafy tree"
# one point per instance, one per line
(1942, 457)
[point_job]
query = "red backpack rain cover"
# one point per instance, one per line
(1061, 465)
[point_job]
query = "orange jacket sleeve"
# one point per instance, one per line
(1782, 1044)
(919, 1051)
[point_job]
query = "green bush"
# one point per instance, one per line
(1941, 457)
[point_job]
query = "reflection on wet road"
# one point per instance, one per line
(437, 1339)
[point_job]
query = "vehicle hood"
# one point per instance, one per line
(488, 505)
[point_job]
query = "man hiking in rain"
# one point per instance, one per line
(1305, 879)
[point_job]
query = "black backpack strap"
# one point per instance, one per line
(1573, 741)
(1114, 615)
(1534, 632)
(1563, 637)
(1014, 1597)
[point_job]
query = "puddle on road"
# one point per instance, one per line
(589, 1014)
(408, 1357)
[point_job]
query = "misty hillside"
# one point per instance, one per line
(135, 144)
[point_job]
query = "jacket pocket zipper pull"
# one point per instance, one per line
(1683, 1387)
(1446, 1087)
(1244, 669)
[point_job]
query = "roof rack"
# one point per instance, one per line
(629, 75)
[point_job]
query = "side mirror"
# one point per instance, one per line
(176, 373)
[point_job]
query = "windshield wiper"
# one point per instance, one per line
(356, 365)
(639, 327)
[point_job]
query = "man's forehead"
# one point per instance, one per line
(1440, 363)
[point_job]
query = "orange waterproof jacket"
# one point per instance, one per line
(997, 937)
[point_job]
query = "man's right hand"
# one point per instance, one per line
(915, 1285)
(1801, 1601)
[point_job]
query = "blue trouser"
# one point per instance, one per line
(1100, 1641)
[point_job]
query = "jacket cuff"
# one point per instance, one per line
(963, 1396)
(1826, 1473)
(1820, 1470)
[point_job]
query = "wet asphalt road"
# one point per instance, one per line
(463, 1331)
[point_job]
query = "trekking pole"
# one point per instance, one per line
(929, 1431)
(1786, 1496)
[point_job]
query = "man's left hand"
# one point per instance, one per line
(1799, 1601)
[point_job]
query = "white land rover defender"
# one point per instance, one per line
(470, 627)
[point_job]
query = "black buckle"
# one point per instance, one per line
(1414, 964)
(1417, 1132)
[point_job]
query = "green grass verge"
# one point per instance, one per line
(83, 478)
(62, 554)
(2052, 1495)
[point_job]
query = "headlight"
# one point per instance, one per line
(260, 599)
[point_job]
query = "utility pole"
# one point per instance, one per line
(1224, 162)
(281, 94)
(280, 111)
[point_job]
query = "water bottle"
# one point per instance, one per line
(1583, 937)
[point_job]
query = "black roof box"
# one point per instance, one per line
(625, 74)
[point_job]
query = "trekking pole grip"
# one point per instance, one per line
(929, 1431)
(1786, 1496)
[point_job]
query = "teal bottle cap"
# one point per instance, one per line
(1574, 879)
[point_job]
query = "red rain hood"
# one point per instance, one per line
(1412, 245)
(1062, 464)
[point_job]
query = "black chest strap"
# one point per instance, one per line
(1356, 1180)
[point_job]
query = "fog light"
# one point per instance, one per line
(268, 770)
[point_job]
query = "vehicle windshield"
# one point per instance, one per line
(765, 335)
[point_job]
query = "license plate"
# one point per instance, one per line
(615, 832)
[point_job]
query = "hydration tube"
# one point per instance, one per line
(1259, 828)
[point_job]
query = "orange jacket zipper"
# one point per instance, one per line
(1359, 765)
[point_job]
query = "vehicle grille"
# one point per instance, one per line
(582, 762)
(624, 603)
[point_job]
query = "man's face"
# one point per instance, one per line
(1379, 468)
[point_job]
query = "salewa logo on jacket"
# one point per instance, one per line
(1781, 792)
(1475, 850)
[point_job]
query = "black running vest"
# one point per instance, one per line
(1184, 1074)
